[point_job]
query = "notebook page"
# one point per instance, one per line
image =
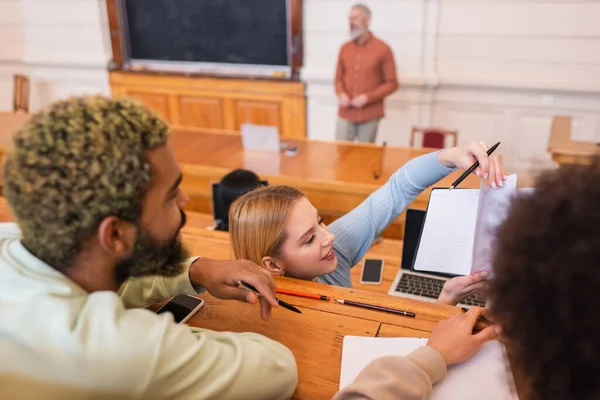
(492, 210)
(358, 351)
(446, 243)
(485, 376)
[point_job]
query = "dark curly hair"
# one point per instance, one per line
(75, 163)
(547, 283)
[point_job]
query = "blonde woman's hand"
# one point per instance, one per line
(459, 288)
(453, 338)
(490, 167)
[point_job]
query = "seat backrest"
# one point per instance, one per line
(434, 138)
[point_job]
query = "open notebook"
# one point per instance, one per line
(459, 228)
(485, 376)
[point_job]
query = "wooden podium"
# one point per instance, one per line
(218, 105)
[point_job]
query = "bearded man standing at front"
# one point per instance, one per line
(365, 75)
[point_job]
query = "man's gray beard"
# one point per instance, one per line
(356, 33)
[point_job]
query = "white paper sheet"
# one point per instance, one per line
(485, 376)
(260, 137)
(446, 243)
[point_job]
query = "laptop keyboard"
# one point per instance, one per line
(431, 287)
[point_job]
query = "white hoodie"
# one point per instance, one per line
(58, 341)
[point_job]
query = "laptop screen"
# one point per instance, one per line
(217, 207)
(412, 233)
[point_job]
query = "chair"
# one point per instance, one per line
(21, 93)
(434, 138)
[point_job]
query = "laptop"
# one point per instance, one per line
(418, 285)
(218, 210)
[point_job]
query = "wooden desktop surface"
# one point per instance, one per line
(335, 176)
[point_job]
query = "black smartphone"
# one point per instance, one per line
(372, 271)
(182, 306)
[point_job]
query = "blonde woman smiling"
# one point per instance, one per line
(277, 227)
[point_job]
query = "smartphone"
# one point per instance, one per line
(372, 271)
(182, 306)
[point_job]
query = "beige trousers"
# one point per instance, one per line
(363, 131)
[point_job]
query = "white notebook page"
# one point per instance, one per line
(446, 243)
(485, 376)
(493, 208)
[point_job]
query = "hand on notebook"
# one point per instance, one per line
(221, 277)
(490, 167)
(459, 288)
(453, 338)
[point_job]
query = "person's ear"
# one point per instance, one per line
(272, 265)
(116, 236)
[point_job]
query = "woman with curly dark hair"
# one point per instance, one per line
(543, 297)
(547, 282)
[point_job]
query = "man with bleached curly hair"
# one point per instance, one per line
(95, 190)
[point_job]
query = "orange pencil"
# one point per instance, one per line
(300, 294)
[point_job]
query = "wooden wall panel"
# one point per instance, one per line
(202, 112)
(157, 102)
(218, 105)
(257, 112)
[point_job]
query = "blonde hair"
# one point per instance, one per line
(257, 221)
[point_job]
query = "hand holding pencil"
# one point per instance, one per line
(454, 339)
(479, 158)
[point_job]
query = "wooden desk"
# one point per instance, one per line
(316, 336)
(335, 176)
(564, 149)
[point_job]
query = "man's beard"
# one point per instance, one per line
(357, 33)
(152, 256)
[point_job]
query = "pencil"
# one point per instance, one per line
(378, 308)
(482, 322)
(301, 294)
(282, 303)
(472, 168)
